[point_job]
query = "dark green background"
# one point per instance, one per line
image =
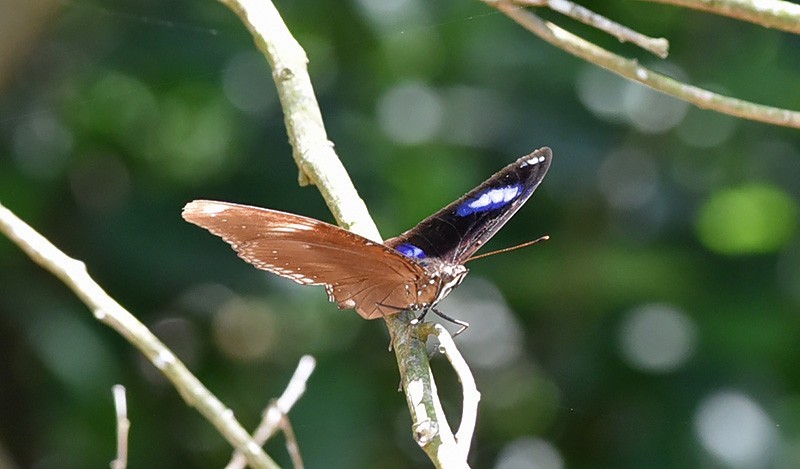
(117, 114)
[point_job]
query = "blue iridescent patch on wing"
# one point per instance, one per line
(409, 250)
(490, 199)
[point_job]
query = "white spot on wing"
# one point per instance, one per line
(211, 208)
(534, 160)
(494, 198)
(291, 228)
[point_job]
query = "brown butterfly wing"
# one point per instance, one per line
(357, 273)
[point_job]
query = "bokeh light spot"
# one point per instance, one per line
(247, 83)
(615, 99)
(495, 335)
(245, 330)
(41, 145)
(529, 453)
(195, 134)
(73, 351)
(735, 430)
(601, 92)
(119, 108)
(410, 113)
(628, 178)
(100, 183)
(657, 338)
(474, 116)
(388, 13)
(651, 111)
(706, 129)
(753, 218)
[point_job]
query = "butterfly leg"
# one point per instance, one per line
(464, 325)
(421, 318)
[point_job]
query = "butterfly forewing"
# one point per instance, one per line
(357, 273)
(454, 233)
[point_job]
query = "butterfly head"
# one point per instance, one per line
(450, 276)
(442, 278)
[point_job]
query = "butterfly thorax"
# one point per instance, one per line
(442, 278)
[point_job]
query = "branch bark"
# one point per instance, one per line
(767, 13)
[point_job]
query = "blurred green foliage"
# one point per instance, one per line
(658, 327)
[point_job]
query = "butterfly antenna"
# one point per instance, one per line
(512, 248)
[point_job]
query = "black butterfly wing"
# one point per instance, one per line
(454, 233)
(357, 273)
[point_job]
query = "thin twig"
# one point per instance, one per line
(319, 164)
(657, 46)
(631, 69)
(469, 411)
(73, 273)
(471, 395)
(767, 13)
(272, 417)
(123, 427)
(291, 443)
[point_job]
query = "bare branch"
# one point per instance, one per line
(430, 428)
(319, 164)
(658, 46)
(767, 13)
(313, 152)
(123, 427)
(631, 69)
(275, 414)
(73, 273)
(291, 443)
(469, 409)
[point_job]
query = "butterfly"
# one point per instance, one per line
(413, 271)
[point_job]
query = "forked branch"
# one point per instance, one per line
(631, 69)
(277, 412)
(658, 46)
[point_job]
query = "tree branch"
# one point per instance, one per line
(319, 164)
(313, 152)
(469, 407)
(279, 409)
(632, 70)
(73, 273)
(658, 46)
(767, 13)
(123, 427)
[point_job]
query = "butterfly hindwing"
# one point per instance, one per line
(455, 232)
(356, 272)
